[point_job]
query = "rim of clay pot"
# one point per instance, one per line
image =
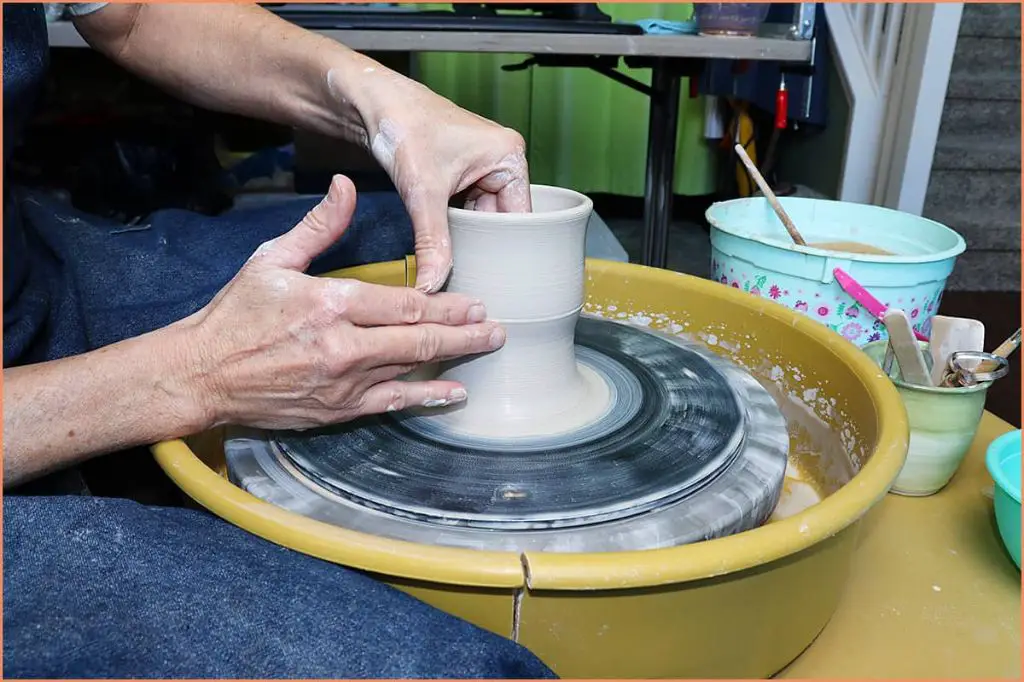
(580, 571)
(583, 205)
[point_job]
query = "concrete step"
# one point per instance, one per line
(971, 116)
(991, 20)
(977, 151)
(986, 271)
(986, 55)
(991, 86)
(997, 229)
(965, 190)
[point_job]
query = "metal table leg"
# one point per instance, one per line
(661, 158)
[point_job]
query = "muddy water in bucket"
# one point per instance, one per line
(851, 247)
(901, 259)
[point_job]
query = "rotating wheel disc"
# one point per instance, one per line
(691, 447)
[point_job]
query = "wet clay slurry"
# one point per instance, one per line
(527, 268)
(851, 247)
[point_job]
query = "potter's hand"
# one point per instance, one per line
(240, 58)
(281, 349)
(433, 150)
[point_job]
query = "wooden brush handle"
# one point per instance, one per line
(770, 195)
(1004, 350)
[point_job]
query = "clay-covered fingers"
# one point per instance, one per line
(377, 305)
(423, 343)
(485, 202)
(506, 189)
(514, 197)
(428, 210)
(392, 396)
(318, 230)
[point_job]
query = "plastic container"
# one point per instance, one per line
(1003, 461)
(741, 19)
(750, 250)
(943, 424)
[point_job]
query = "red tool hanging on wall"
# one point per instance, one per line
(781, 123)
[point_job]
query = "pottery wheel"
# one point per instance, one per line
(690, 448)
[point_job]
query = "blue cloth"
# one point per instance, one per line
(666, 27)
(26, 297)
(108, 588)
(112, 589)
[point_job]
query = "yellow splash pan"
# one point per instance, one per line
(740, 606)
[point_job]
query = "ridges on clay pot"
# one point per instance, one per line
(527, 268)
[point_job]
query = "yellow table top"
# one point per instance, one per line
(932, 593)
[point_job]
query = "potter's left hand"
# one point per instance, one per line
(434, 150)
(242, 59)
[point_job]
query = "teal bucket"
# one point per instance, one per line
(1003, 461)
(751, 250)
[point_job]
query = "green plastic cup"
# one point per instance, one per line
(943, 424)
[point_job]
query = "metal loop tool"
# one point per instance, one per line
(970, 368)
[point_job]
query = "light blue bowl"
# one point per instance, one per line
(751, 250)
(1003, 461)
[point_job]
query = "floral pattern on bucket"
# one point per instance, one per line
(829, 304)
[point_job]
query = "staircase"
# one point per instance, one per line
(975, 184)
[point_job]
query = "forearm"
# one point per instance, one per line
(240, 59)
(132, 393)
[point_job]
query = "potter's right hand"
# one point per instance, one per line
(279, 349)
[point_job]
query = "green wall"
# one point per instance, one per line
(583, 130)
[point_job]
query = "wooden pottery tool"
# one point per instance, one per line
(769, 195)
(949, 335)
(862, 296)
(1003, 350)
(904, 346)
(889, 359)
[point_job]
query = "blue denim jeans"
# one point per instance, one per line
(117, 281)
(108, 588)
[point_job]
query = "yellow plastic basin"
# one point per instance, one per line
(739, 606)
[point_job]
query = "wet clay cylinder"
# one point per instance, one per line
(527, 268)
